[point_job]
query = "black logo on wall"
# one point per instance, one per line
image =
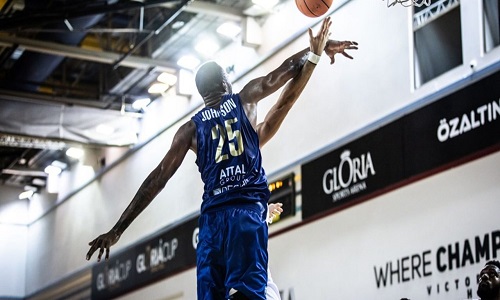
(355, 170)
(436, 136)
(171, 251)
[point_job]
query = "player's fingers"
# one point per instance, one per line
(101, 251)
(107, 252)
(93, 248)
(310, 33)
(347, 55)
(325, 26)
(89, 254)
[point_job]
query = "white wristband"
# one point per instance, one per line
(313, 57)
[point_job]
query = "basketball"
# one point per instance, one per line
(313, 8)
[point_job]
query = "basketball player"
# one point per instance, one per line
(489, 281)
(232, 249)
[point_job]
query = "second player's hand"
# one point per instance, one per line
(274, 209)
(103, 243)
(333, 47)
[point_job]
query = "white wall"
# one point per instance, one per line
(13, 248)
(336, 256)
(338, 101)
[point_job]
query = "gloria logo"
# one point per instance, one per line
(348, 178)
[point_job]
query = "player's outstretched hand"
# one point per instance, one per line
(274, 209)
(318, 42)
(333, 47)
(103, 243)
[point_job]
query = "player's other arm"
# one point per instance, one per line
(274, 118)
(261, 87)
(294, 88)
(151, 186)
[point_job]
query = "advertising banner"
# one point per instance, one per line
(441, 134)
(165, 254)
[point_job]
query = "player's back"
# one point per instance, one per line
(228, 156)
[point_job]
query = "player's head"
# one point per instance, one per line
(212, 79)
(489, 280)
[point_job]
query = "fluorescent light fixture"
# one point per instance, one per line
(38, 181)
(158, 88)
(30, 188)
(229, 29)
(75, 152)
(17, 53)
(266, 4)
(178, 24)
(59, 164)
(104, 129)
(141, 103)
(26, 194)
(167, 78)
(188, 62)
(53, 184)
(186, 84)
(207, 47)
(52, 170)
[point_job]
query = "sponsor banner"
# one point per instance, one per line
(447, 271)
(359, 168)
(441, 133)
(167, 253)
(456, 126)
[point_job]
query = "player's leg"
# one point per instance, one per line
(210, 270)
(246, 252)
(272, 291)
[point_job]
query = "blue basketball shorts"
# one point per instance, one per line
(232, 253)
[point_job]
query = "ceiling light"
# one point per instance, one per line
(266, 4)
(75, 152)
(17, 53)
(104, 129)
(207, 47)
(59, 164)
(188, 62)
(186, 84)
(229, 29)
(141, 103)
(30, 188)
(167, 78)
(52, 170)
(158, 88)
(178, 24)
(38, 181)
(26, 194)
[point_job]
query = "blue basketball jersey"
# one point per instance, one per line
(228, 156)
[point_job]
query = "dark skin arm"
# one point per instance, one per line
(276, 115)
(152, 185)
(261, 87)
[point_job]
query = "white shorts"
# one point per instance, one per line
(272, 291)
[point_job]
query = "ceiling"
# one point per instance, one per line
(68, 66)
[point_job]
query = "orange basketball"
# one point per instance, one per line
(313, 8)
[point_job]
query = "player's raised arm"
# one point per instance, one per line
(294, 88)
(261, 87)
(151, 186)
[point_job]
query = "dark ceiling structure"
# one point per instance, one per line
(66, 66)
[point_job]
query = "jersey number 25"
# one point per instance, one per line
(234, 139)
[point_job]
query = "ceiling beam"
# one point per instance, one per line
(59, 14)
(105, 57)
(213, 9)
